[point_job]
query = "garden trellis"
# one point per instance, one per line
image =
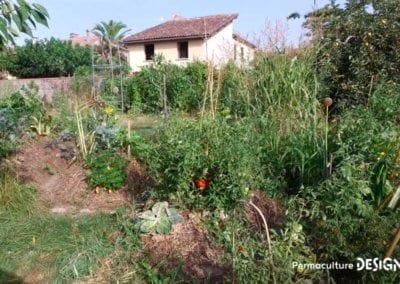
(112, 68)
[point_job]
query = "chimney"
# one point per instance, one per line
(177, 18)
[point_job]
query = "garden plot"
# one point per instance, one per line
(61, 183)
(188, 248)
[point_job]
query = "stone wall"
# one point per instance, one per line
(47, 87)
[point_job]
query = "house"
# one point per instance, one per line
(181, 40)
(86, 40)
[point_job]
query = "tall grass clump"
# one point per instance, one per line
(267, 130)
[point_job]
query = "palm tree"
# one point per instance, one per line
(110, 33)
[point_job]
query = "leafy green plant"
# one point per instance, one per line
(106, 136)
(356, 48)
(107, 169)
(47, 58)
(41, 125)
(159, 219)
(215, 150)
(16, 112)
(19, 17)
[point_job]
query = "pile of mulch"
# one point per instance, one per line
(188, 248)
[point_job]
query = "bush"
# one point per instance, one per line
(47, 58)
(107, 170)
(216, 151)
(16, 112)
(358, 46)
(184, 87)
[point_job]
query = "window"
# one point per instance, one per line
(242, 53)
(149, 51)
(183, 49)
(235, 52)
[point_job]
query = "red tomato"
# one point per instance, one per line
(201, 184)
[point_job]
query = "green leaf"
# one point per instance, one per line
(13, 31)
(147, 226)
(148, 215)
(174, 216)
(3, 27)
(164, 226)
(41, 9)
(17, 21)
(22, 13)
(159, 208)
(40, 18)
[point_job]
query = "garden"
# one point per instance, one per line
(206, 174)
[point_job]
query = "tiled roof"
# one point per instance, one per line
(181, 28)
(86, 40)
(244, 41)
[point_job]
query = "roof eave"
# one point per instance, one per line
(139, 41)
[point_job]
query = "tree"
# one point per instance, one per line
(19, 17)
(45, 58)
(109, 33)
(358, 47)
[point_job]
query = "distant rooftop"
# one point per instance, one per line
(183, 28)
(87, 40)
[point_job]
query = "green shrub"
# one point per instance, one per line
(184, 87)
(47, 58)
(216, 150)
(357, 47)
(107, 169)
(16, 112)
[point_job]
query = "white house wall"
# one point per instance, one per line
(248, 53)
(219, 48)
(169, 49)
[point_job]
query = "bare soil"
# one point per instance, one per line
(188, 248)
(61, 184)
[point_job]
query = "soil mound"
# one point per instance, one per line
(61, 182)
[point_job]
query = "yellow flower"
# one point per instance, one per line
(108, 110)
(381, 154)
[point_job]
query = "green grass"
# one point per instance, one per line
(60, 248)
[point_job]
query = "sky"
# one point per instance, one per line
(76, 16)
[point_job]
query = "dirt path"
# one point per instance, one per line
(62, 187)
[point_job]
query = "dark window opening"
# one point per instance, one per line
(234, 52)
(242, 53)
(149, 51)
(183, 49)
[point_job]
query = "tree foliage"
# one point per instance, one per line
(46, 58)
(358, 45)
(110, 32)
(19, 17)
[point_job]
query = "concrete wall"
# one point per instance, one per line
(47, 86)
(169, 49)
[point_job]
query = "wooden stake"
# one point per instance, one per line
(219, 82)
(129, 136)
(212, 91)
(393, 245)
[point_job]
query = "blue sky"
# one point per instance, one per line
(75, 16)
